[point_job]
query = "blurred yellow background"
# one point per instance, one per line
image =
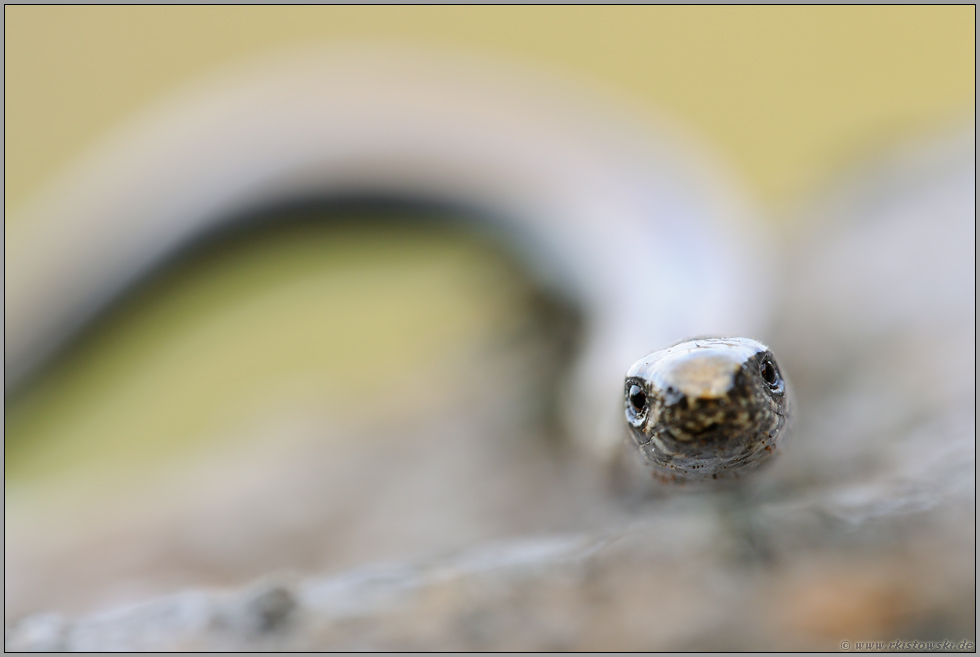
(297, 326)
(785, 93)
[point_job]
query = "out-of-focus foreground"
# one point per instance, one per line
(321, 435)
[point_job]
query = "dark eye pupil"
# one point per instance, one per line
(637, 399)
(769, 372)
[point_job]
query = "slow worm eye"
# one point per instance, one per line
(638, 398)
(769, 373)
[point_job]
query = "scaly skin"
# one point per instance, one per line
(709, 408)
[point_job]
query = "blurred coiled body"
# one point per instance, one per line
(644, 240)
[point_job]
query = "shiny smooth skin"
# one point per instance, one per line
(708, 408)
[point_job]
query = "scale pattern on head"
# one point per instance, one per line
(709, 408)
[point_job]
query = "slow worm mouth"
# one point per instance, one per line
(708, 428)
(708, 432)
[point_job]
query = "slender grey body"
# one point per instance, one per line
(647, 241)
